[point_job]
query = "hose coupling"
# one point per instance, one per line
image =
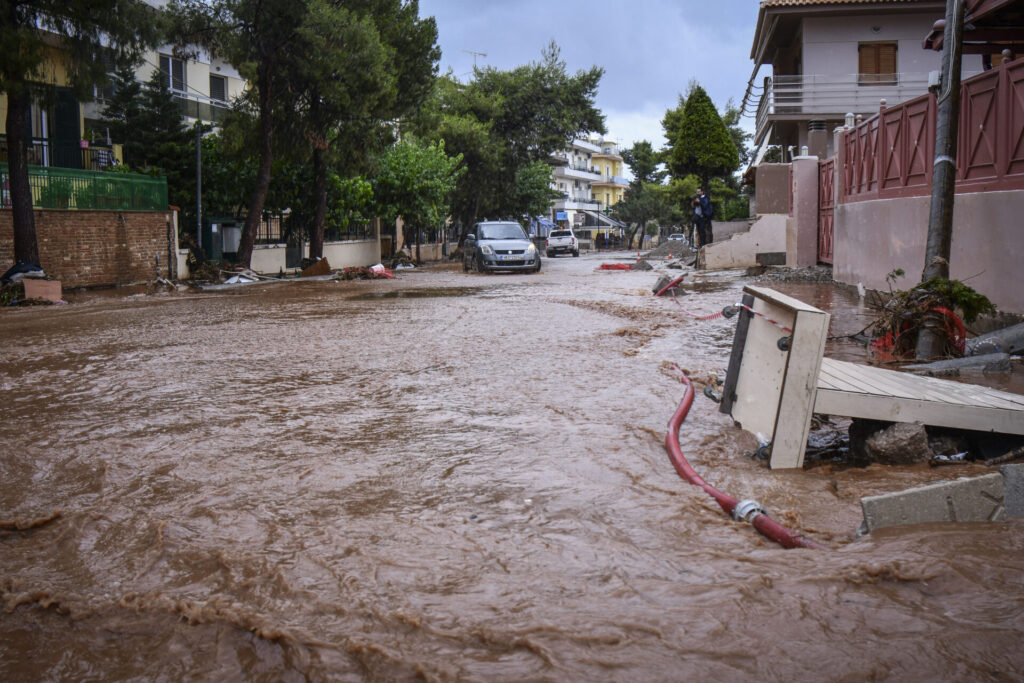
(746, 510)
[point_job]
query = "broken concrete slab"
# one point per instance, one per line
(1013, 489)
(974, 499)
(1009, 340)
(990, 362)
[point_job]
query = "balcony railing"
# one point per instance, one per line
(833, 96)
(46, 152)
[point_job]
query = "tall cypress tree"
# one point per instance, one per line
(700, 143)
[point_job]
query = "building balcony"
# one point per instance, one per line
(577, 173)
(611, 181)
(577, 203)
(586, 146)
(558, 159)
(47, 152)
(831, 97)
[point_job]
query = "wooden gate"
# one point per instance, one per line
(826, 209)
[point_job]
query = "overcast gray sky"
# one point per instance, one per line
(649, 49)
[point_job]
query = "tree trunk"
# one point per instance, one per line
(469, 223)
(26, 248)
(316, 244)
(419, 257)
(254, 215)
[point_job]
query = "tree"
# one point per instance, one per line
(257, 36)
(93, 37)
(147, 120)
(699, 142)
(503, 122)
(355, 67)
(740, 137)
(413, 183)
(643, 161)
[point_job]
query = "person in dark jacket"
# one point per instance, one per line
(703, 212)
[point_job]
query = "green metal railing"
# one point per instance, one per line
(66, 188)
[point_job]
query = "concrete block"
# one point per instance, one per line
(975, 499)
(48, 290)
(1013, 489)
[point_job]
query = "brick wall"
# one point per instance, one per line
(94, 248)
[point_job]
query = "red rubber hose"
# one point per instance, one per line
(763, 523)
(674, 283)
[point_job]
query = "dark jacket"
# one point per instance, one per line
(706, 208)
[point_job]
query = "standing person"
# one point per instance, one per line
(706, 213)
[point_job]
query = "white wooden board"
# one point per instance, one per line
(873, 393)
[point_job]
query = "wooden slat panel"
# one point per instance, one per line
(892, 409)
(796, 405)
(877, 381)
(868, 380)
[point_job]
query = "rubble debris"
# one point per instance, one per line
(900, 443)
(933, 305)
(318, 267)
(990, 363)
(781, 274)
(1008, 340)
(363, 273)
(642, 265)
(671, 250)
(668, 285)
(19, 271)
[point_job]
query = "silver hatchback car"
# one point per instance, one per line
(499, 245)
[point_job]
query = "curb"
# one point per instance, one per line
(988, 498)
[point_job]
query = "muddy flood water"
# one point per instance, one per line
(448, 476)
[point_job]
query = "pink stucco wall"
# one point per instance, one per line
(874, 237)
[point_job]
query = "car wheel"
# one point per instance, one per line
(480, 264)
(576, 254)
(550, 255)
(538, 265)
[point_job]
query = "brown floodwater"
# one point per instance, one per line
(448, 476)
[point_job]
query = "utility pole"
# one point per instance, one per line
(199, 183)
(940, 219)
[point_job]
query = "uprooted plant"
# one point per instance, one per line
(939, 304)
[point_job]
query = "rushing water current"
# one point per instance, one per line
(448, 476)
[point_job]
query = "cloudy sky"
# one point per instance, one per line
(649, 49)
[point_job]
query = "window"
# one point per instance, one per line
(218, 88)
(876, 63)
(173, 71)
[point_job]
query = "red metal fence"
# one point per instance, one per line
(826, 208)
(891, 154)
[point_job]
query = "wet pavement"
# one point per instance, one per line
(448, 476)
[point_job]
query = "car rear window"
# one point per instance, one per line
(561, 233)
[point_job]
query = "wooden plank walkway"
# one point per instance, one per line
(863, 391)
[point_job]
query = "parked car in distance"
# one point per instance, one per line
(677, 237)
(499, 245)
(562, 242)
